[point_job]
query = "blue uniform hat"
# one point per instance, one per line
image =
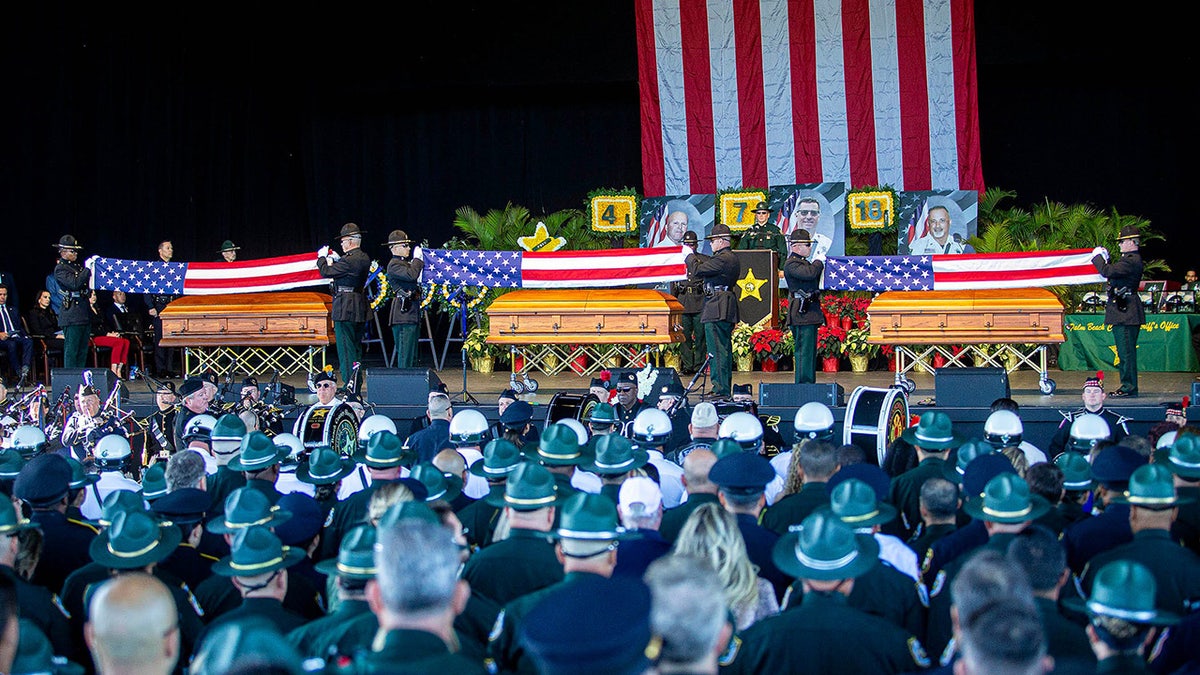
(742, 473)
(44, 480)
(517, 415)
(306, 521)
(1115, 464)
(592, 625)
(870, 474)
(983, 469)
(184, 506)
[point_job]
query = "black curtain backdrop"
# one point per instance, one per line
(273, 126)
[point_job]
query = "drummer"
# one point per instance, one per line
(326, 384)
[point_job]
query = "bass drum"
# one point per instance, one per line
(566, 405)
(875, 418)
(335, 426)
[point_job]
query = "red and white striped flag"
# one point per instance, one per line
(557, 269)
(1025, 269)
(782, 92)
(211, 278)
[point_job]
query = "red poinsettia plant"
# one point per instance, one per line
(829, 340)
(770, 343)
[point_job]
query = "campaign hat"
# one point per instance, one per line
(134, 539)
(824, 548)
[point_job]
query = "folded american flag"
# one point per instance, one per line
(960, 272)
(172, 278)
(558, 269)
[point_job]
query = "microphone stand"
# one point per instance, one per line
(702, 375)
(464, 396)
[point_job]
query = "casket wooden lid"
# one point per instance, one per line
(585, 316)
(286, 302)
(994, 299)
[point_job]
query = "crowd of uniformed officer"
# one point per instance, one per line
(872, 571)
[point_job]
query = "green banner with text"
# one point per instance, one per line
(1164, 344)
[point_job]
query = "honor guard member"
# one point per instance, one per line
(652, 431)
(350, 571)
(803, 278)
(933, 437)
(161, 423)
(763, 234)
(1093, 403)
(587, 540)
(349, 274)
(1122, 612)
(526, 560)
(720, 273)
(1004, 429)
(1123, 311)
(813, 421)
(44, 483)
(112, 456)
(225, 437)
(1152, 501)
(403, 275)
(193, 403)
(75, 317)
(500, 458)
(690, 294)
(187, 507)
(628, 404)
(36, 604)
(825, 634)
(385, 458)
(228, 251)
(741, 479)
(164, 357)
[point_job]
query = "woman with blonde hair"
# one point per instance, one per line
(712, 533)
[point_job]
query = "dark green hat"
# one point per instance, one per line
(1077, 472)
(356, 555)
(724, 447)
(11, 521)
(256, 550)
(1152, 487)
(529, 487)
(35, 655)
(383, 451)
(228, 245)
(246, 644)
(719, 230)
(258, 452)
(324, 467)
(500, 457)
(229, 427)
(856, 503)
(969, 450)
(934, 432)
(117, 502)
(1129, 232)
(437, 485)
(67, 241)
(1184, 457)
(590, 517)
(133, 540)
(80, 478)
(350, 230)
(799, 236)
(1006, 499)
(247, 507)
(558, 446)
(1124, 589)
(615, 455)
(603, 413)
(825, 549)
(762, 207)
(398, 237)
(11, 462)
(154, 481)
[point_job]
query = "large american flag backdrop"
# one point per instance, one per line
(773, 92)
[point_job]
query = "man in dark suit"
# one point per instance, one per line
(13, 339)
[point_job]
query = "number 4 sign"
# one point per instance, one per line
(614, 213)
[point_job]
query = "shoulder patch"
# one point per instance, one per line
(939, 582)
(329, 518)
(193, 601)
(731, 651)
(497, 628)
(923, 594)
(58, 603)
(927, 561)
(917, 652)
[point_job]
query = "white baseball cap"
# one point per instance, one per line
(639, 490)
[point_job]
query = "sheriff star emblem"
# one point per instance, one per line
(750, 285)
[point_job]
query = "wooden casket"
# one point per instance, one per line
(993, 316)
(590, 316)
(249, 320)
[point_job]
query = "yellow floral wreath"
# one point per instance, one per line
(382, 291)
(446, 291)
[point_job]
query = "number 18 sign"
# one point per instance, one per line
(871, 211)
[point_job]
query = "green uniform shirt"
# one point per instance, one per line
(521, 564)
(316, 638)
(412, 651)
(504, 649)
